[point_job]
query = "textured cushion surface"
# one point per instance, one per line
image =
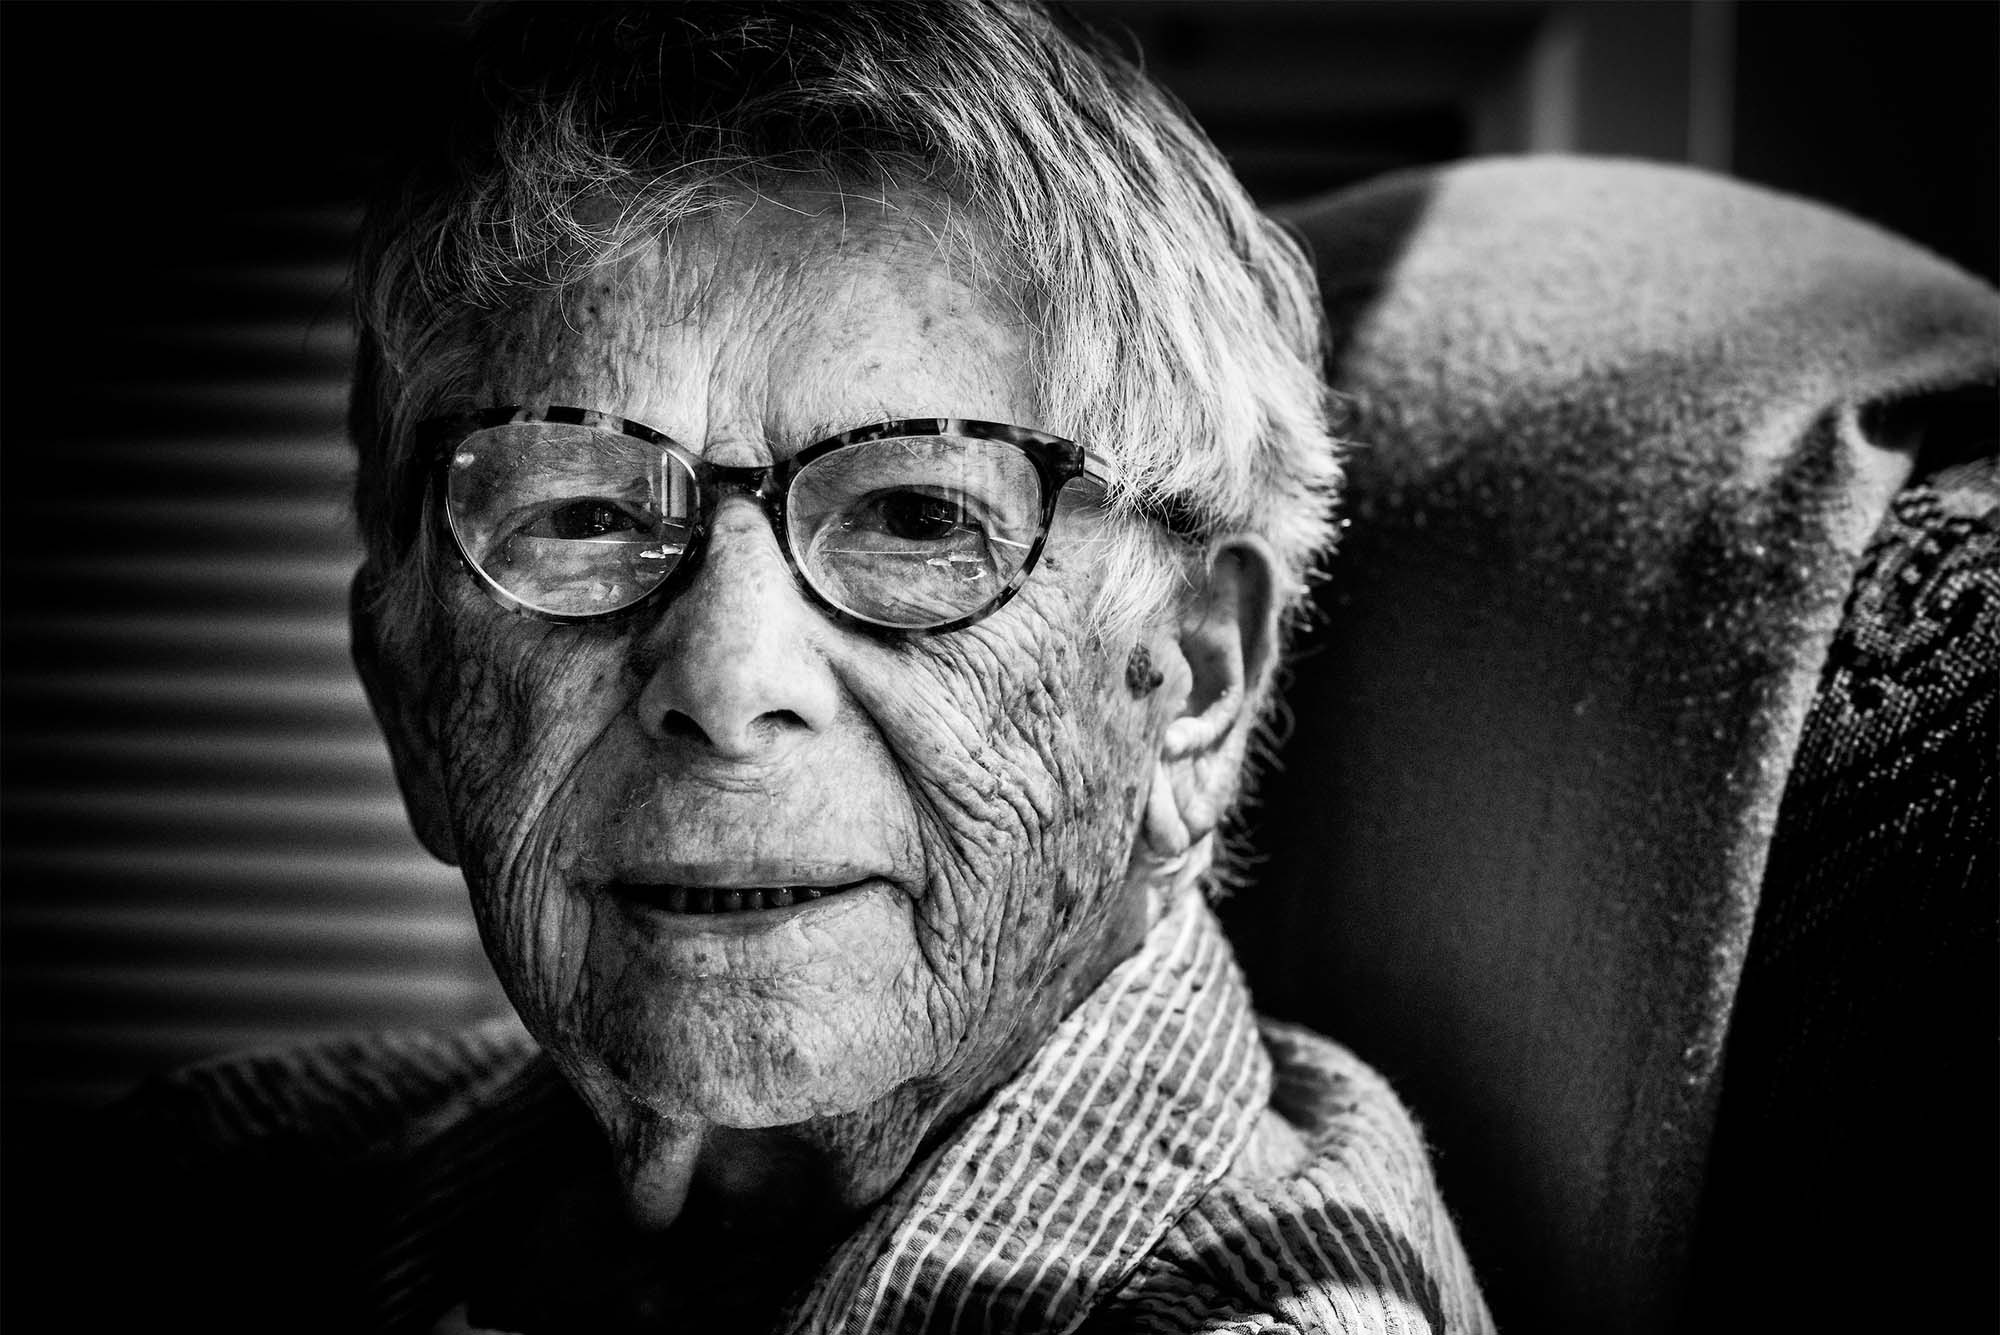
(1859, 1094)
(1622, 435)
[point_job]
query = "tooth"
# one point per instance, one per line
(806, 892)
(677, 899)
(778, 898)
(728, 901)
(698, 899)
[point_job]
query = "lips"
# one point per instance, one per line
(697, 899)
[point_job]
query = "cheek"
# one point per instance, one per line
(1025, 755)
(523, 703)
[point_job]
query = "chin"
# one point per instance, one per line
(750, 1062)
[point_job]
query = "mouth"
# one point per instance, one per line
(704, 899)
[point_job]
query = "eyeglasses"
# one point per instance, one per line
(921, 525)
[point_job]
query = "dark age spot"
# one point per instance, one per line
(1141, 677)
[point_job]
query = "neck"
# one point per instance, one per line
(728, 1258)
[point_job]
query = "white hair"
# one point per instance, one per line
(1175, 329)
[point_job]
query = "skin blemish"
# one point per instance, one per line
(1141, 677)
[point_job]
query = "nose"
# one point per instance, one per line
(731, 665)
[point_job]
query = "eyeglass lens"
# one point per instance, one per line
(909, 532)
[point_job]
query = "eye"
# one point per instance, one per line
(587, 518)
(916, 516)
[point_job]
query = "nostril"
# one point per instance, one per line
(734, 664)
(772, 726)
(675, 726)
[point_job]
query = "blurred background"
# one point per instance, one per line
(203, 845)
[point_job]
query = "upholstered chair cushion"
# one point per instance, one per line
(1622, 434)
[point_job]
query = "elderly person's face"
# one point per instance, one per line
(967, 804)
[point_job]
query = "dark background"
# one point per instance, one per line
(203, 849)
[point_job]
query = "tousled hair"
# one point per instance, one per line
(1173, 327)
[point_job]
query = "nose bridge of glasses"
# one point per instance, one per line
(763, 483)
(759, 480)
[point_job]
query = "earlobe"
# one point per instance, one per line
(395, 695)
(1228, 643)
(1165, 833)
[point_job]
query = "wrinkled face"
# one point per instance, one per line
(967, 802)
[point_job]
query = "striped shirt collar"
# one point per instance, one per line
(1048, 1196)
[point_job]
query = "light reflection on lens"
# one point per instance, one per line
(569, 520)
(915, 531)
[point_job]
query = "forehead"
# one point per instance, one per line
(785, 318)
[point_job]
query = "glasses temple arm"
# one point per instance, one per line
(1174, 513)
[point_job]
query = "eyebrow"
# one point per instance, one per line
(792, 439)
(825, 428)
(818, 429)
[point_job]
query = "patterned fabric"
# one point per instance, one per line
(1876, 942)
(1349, 1235)
(1076, 1168)
(1161, 1164)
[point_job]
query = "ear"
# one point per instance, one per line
(1227, 647)
(396, 694)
